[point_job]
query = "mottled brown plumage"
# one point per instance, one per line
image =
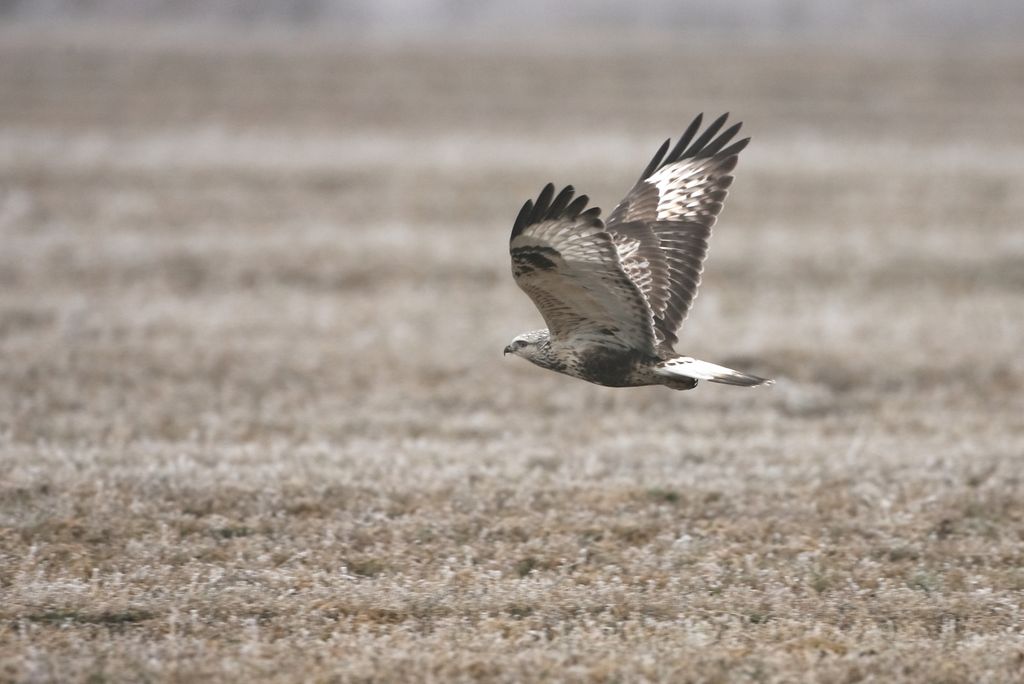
(615, 293)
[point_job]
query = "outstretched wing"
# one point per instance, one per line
(661, 228)
(565, 260)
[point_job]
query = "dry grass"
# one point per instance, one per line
(255, 421)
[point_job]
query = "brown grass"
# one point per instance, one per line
(255, 422)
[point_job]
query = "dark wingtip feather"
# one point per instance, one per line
(718, 143)
(523, 219)
(548, 207)
(656, 160)
(735, 148)
(705, 137)
(560, 202)
(540, 209)
(706, 145)
(684, 139)
(578, 204)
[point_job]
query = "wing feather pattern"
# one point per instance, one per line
(567, 263)
(661, 229)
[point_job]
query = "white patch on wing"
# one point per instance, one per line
(682, 188)
(626, 248)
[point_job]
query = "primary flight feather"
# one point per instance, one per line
(614, 293)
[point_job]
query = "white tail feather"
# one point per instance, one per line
(686, 367)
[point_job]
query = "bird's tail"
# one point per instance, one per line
(686, 367)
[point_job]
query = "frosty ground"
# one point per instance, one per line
(255, 421)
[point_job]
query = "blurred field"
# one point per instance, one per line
(255, 421)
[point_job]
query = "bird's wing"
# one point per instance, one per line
(565, 260)
(661, 228)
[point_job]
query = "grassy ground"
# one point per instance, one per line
(255, 421)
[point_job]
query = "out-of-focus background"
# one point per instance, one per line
(442, 20)
(254, 288)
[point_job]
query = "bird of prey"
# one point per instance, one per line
(615, 292)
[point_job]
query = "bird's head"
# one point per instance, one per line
(530, 345)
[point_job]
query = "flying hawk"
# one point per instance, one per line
(614, 293)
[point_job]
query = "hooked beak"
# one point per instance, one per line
(508, 350)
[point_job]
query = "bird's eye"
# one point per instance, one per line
(520, 344)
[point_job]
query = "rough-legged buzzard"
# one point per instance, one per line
(614, 293)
